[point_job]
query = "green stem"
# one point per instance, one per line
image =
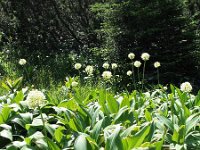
(138, 71)
(44, 129)
(143, 74)
(133, 74)
(158, 76)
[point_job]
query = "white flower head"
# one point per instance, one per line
(165, 88)
(145, 56)
(114, 66)
(106, 75)
(157, 64)
(186, 87)
(129, 73)
(74, 84)
(22, 62)
(131, 56)
(35, 99)
(77, 66)
(137, 64)
(89, 70)
(106, 65)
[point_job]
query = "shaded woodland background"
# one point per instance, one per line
(52, 35)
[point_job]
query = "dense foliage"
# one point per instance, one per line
(95, 118)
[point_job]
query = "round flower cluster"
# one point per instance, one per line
(74, 84)
(106, 65)
(186, 87)
(131, 56)
(157, 64)
(114, 66)
(89, 70)
(145, 56)
(77, 66)
(129, 73)
(107, 75)
(35, 99)
(22, 62)
(137, 64)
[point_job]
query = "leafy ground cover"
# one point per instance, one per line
(96, 118)
(86, 113)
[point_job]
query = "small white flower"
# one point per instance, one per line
(145, 56)
(106, 75)
(129, 73)
(106, 65)
(114, 66)
(35, 99)
(157, 64)
(77, 66)
(89, 70)
(165, 88)
(137, 64)
(74, 84)
(22, 62)
(131, 56)
(186, 87)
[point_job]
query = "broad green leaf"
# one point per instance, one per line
(81, 143)
(73, 125)
(27, 117)
(113, 140)
(192, 121)
(125, 102)
(41, 143)
(181, 133)
(175, 136)
(59, 134)
(5, 113)
(137, 139)
(197, 99)
(158, 145)
(128, 131)
(6, 134)
(97, 129)
(5, 126)
(19, 97)
(37, 135)
(28, 147)
(51, 144)
(5, 86)
(17, 83)
(120, 113)
(148, 115)
(112, 104)
(19, 121)
(166, 122)
(102, 101)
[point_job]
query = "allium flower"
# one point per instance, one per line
(165, 88)
(145, 56)
(186, 87)
(77, 66)
(106, 65)
(35, 99)
(89, 70)
(157, 64)
(74, 84)
(129, 73)
(114, 66)
(137, 64)
(106, 75)
(22, 62)
(131, 56)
